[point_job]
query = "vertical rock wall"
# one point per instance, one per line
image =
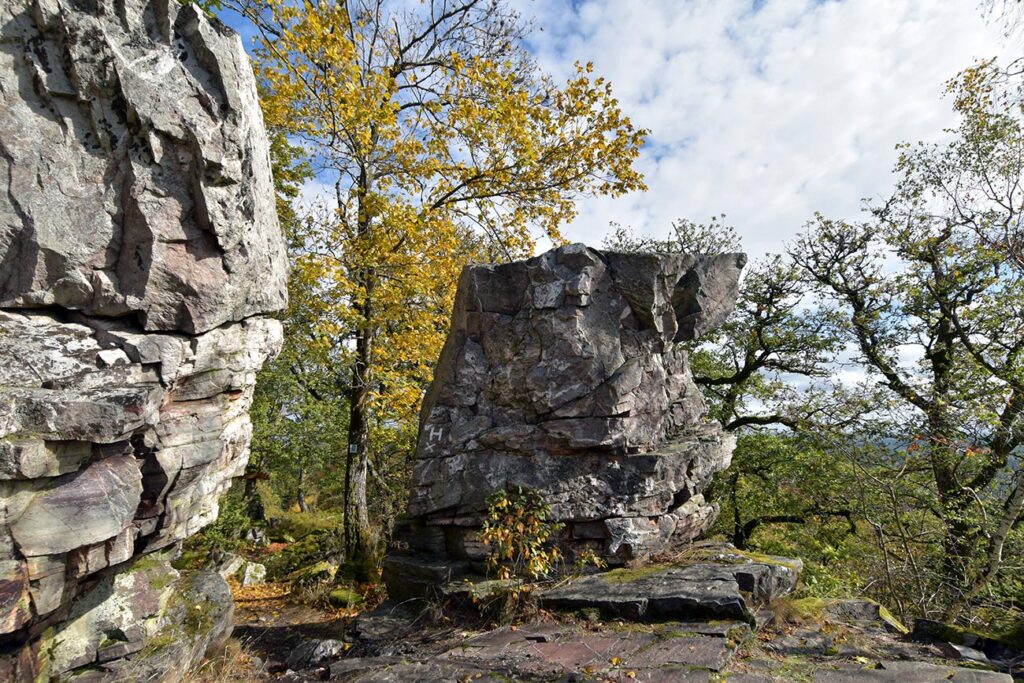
(139, 255)
(562, 374)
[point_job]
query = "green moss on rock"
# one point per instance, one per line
(885, 615)
(761, 558)
(344, 597)
(809, 607)
(629, 575)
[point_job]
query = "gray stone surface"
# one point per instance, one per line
(136, 166)
(311, 653)
(700, 590)
(252, 574)
(908, 672)
(392, 643)
(80, 509)
(562, 374)
(560, 647)
(155, 440)
(194, 623)
(139, 254)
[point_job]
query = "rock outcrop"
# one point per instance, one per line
(138, 179)
(562, 374)
(139, 255)
(848, 641)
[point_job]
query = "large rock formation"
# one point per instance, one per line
(139, 252)
(562, 374)
(138, 179)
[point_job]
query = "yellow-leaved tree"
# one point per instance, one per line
(437, 140)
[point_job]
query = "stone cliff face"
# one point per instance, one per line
(138, 179)
(562, 374)
(139, 254)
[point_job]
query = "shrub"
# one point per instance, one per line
(314, 547)
(520, 535)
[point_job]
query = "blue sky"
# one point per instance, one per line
(764, 110)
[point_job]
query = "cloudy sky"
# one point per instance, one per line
(764, 110)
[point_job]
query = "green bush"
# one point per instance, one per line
(316, 546)
(298, 525)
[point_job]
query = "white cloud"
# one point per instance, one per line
(768, 114)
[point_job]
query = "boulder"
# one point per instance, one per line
(193, 622)
(140, 258)
(252, 574)
(1005, 651)
(679, 591)
(311, 653)
(563, 374)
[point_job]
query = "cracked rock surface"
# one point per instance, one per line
(134, 165)
(562, 374)
(140, 254)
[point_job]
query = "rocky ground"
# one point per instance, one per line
(724, 618)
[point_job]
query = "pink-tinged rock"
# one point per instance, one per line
(88, 507)
(15, 608)
(139, 252)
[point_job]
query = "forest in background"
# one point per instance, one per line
(438, 142)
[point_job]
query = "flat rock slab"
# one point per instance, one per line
(552, 649)
(430, 671)
(676, 592)
(671, 675)
(909, 672)
(700, 651)
(802, 642)
(389, 621)
(690, 651)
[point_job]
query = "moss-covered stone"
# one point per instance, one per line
(629, 575)
(195, 620)
(158, 643)
(296, 526)
(958, 635)
(344, 598)
(315, 547)
(320, 571)
(800, 609)
(1014, 637)
(761, 558)
(886, 616)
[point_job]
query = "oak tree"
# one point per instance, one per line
(436, 139)
(932, 289)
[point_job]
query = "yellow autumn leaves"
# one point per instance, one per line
(520, 536)
(436, 141)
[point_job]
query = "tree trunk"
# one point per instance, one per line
(253, 504)
(300, 491)
(958, 532)
(357, 529)
(738, 537)
(358, 446)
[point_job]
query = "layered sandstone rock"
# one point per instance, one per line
(563, 374)
(139, 254)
